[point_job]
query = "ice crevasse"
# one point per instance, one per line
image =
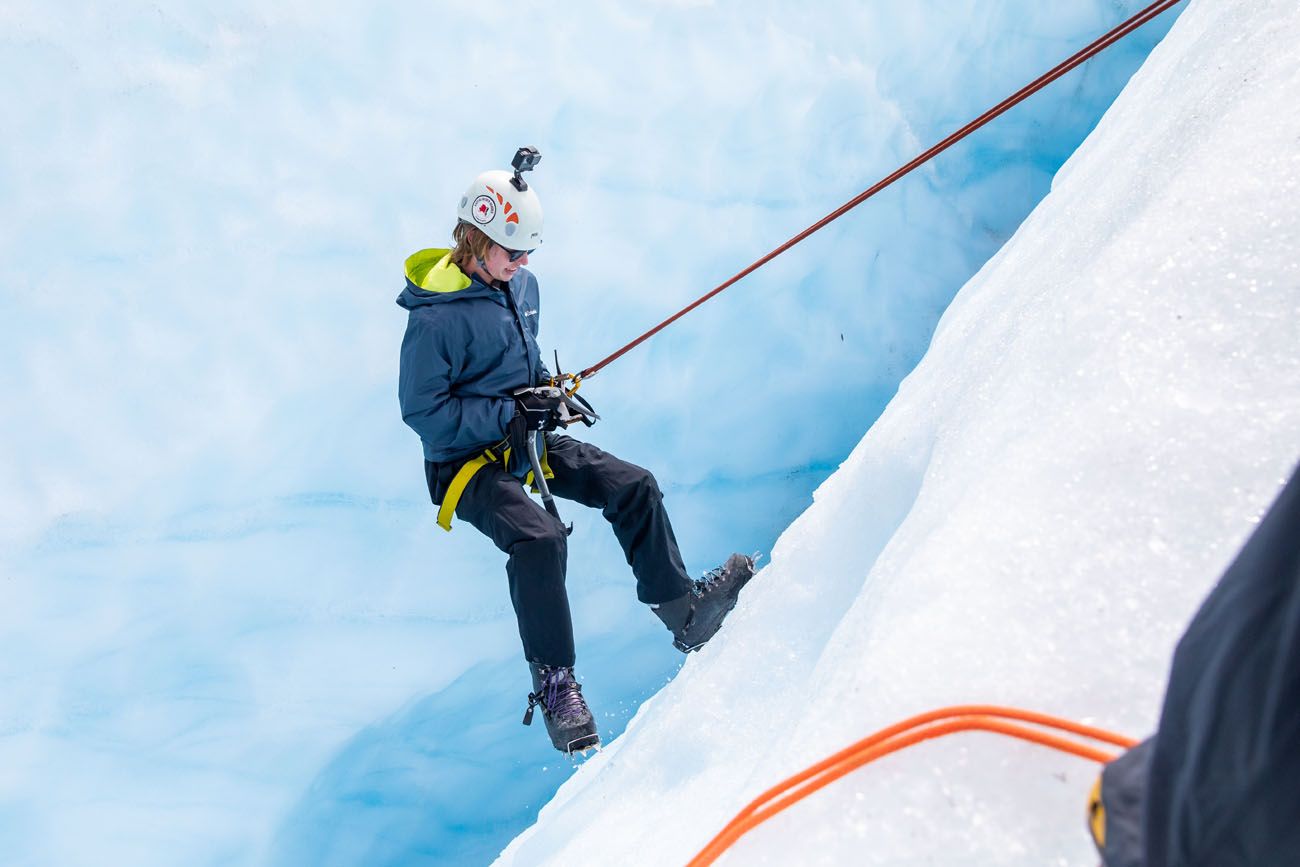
(1105, 410)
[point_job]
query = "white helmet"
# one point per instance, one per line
(506, 214)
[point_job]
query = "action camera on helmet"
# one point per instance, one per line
(525, 160)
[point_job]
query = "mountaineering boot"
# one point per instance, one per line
(568, 720)
(694, 618)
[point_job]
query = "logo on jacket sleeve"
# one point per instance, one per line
(484, 210)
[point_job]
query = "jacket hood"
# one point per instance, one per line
(432, 278)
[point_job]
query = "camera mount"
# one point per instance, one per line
(525, 160)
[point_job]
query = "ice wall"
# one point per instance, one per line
(225, 613)
(1105, 411)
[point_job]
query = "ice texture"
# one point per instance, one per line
(229, 630)
(1106, 409)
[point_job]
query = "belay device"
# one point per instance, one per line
(569, 409)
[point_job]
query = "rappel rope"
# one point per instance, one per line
(899, 736)
(948, 720)
(1124, 29)
(999, 720)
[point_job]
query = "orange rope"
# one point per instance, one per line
(911, 731)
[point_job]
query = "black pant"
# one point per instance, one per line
(501, 508)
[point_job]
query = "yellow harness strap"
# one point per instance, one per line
(462, 478)
(458, 484)
(528, 479)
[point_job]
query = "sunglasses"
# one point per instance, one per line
(516, 255)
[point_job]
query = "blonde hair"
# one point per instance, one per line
(471, 246)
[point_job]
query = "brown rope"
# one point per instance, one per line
(1147, 14)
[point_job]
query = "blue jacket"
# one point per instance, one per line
(467, 347)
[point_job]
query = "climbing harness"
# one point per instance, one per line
(899, 736)
(1118, 33)
(571, 410)
(497, 454)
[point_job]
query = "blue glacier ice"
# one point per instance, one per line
(231, 632)
(1105, 412)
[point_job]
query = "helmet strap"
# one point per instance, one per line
(482, 266)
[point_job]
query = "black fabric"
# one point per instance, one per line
(539, 411)
(537, 547)
(1224, 787)
(1223, 784)
(1123, 783)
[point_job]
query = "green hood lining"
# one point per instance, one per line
(432, 270)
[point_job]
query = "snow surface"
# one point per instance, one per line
(229, 631)
(1105, 411)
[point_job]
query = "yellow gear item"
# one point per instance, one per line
(1097, 815)
(462, 478)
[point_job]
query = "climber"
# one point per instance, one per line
(473, 385)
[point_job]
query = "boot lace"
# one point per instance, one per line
(711, 578)
(560, 695)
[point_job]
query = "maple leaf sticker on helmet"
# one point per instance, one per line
(484, 210)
